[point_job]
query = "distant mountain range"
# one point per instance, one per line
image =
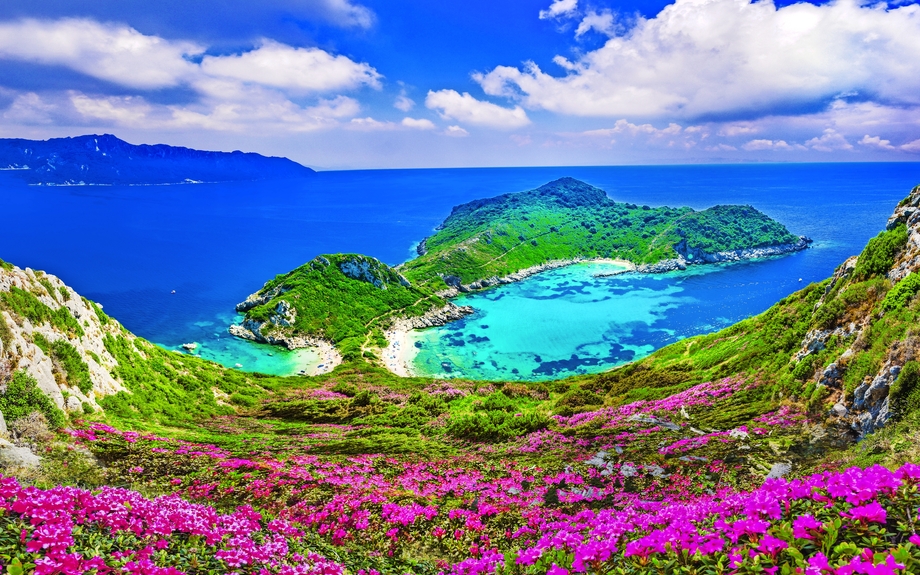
(107, 160)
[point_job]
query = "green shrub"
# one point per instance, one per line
(879, 254)
(904, 394)
(902, 293)
(578, 397)
(243, 400)
(67, 356)
(6, 265)
(25, 304)
(23, 396)
(495, 426)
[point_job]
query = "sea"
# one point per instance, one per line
(171, 262)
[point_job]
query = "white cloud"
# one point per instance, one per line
(757, 145)
(625, 127)
(300, 69)
(115, 53)
(877, 142)
(30, 108)
(418, 124)
(345, 13)
(559, 8)
(911, 146)
(249, 91)
(721, 148)
(465, 108)
(404, 102)
(603, 22)
(456, 131)
(700, 57)
(120, 110)
(829, 141)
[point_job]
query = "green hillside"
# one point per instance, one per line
(567, 219)
(562, 220)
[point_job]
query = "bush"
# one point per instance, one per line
(879, 254)
(22, 397)
(495, 426)
(904, 394)
(902, 293)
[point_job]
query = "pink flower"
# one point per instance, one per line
(801, 526)
(871, 513)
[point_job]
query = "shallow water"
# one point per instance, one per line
(130, 247)
(567, 321)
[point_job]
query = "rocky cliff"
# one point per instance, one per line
(56, 336)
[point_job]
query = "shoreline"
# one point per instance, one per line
(329, 356)
(398, 355)
(399, 352)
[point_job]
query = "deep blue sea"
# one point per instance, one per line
(130, 247)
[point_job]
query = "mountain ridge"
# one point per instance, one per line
(107, 160)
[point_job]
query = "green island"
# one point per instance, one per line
(786, 439)
(349, 301)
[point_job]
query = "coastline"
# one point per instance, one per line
(400, 351)
(329, 356)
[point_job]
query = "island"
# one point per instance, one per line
(107, 160)
(352, 305)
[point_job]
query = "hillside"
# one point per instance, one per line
(493, 241)
(567, 219)
(63, 345)
(733, 452)
(106, 160)
(335, 298)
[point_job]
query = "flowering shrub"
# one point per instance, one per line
(463, 515)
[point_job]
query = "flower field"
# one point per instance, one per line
(631, 489)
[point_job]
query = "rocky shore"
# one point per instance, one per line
(456, 287)
(255, 331)
(688, 256)
(397, 356)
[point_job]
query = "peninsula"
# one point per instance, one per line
(358, 305)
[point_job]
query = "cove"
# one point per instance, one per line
(568, 321)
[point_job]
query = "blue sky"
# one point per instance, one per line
(384, 84)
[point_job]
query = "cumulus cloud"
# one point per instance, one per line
(763, 144)
(418, 124)
(404, 102)
(465, 108)
(876, 142)
(603, 22)
(829, 141)
(110, 52)
(299, 69)
(251, 90)
(698, 58)
(559, 8)
(458, 132)
(911, 146)
(625, 127)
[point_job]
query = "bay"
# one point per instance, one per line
(130, 247)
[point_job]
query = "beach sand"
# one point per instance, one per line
(398, 354)
(316, 360)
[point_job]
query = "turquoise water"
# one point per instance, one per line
(214, 343)
(566, 321)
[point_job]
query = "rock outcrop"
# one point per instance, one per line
(20, 337)
(688, 256)
(456, 287)
(434, 317)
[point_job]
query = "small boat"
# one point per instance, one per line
(800, 279)
(173, 291)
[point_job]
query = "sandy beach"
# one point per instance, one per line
(328, 359)
(398, 354)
